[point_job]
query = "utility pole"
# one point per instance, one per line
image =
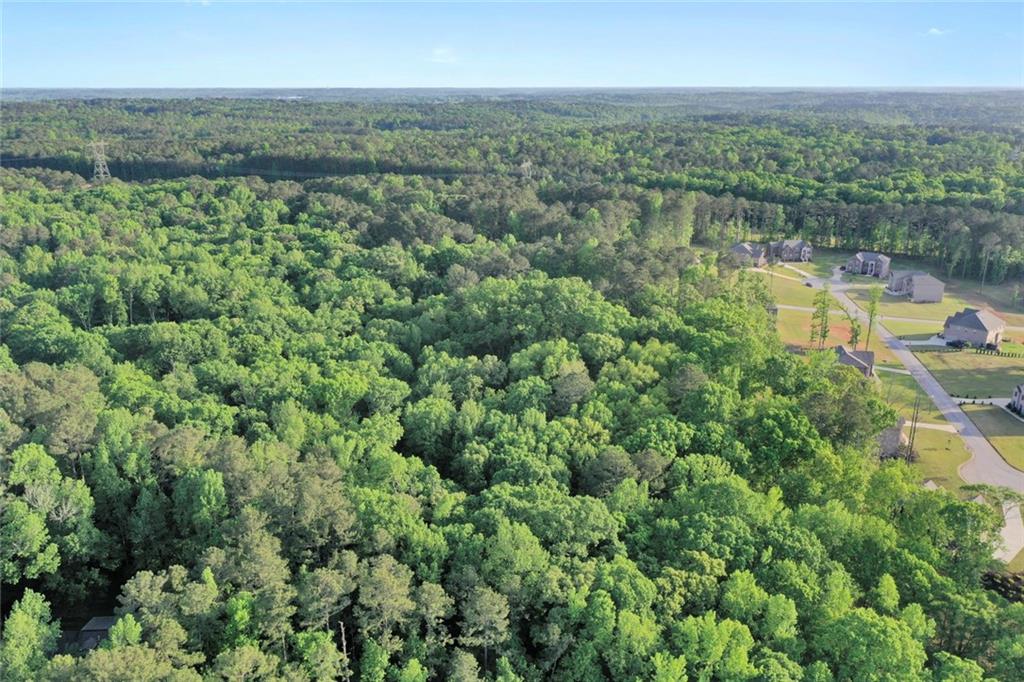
(100, 172)
(913, 429)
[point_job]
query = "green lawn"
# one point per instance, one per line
(1004, 432)
(973, 374)
(822, 264)
(900, 306)
(959, 294)
(912, 330)
(788, 292)
(1009, 346)
(940, 454)
(795, 329)
(1016, 564)
(900, 391)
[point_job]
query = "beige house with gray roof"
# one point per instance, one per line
(976, 327)
(919, 287)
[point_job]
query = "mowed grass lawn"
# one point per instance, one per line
(975, 374)
(1016, 565)
(900, 306)
(1004, 432)
(900, 391)
(940, 455)
(959, 294)
(821, 265)
(913, 330)
(787, 292)
(795, 330)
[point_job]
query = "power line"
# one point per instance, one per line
(100, 172)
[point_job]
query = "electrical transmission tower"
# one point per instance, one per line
(100, 172)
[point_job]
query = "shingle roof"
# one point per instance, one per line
(900, 274)
(861, 359)
(748, 249)
(976, 319)
(100, 623)
(924, 277)
(868, 256)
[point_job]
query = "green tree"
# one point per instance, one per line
(874, 300)
(484, 620)
(819, 318)
(29, 638)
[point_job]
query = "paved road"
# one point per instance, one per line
(986, 465)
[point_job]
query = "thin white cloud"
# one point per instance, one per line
(937, 32)
(443, 55)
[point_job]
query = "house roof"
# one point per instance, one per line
(931, 485)
(792, 243)
(976, 319)
(868, 256)
(900, 274)
(925, 278)
(748, 249)
(861, 359)
(100, 623)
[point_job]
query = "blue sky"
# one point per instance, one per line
(333, 44)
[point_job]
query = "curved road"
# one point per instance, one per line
(986, 465)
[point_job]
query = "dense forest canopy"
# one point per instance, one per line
(444, 390)
(929, 174)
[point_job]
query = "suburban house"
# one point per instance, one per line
(1017, 401)
(754, 254)
(919, 286)
(862, 360)
(869, 263)
(976, 327)
(791, 250)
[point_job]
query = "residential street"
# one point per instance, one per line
(986, 464)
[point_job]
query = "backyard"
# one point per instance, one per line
(787, 292)
(912, 330)
(795, 329)
(1002, 430)
(959, 294)
(975, 375)
(940, 454)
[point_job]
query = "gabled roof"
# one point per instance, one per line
(748, 249)
(792, 243)
(925, 278)
(868, 256)
(972, 318)
(863, 360)
(100, 623)
(900, 274)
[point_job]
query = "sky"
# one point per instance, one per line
(511, 44)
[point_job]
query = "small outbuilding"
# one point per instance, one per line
(893, 441)
(861, 360)
(869, 263)
(95, 631)
(976, 327)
